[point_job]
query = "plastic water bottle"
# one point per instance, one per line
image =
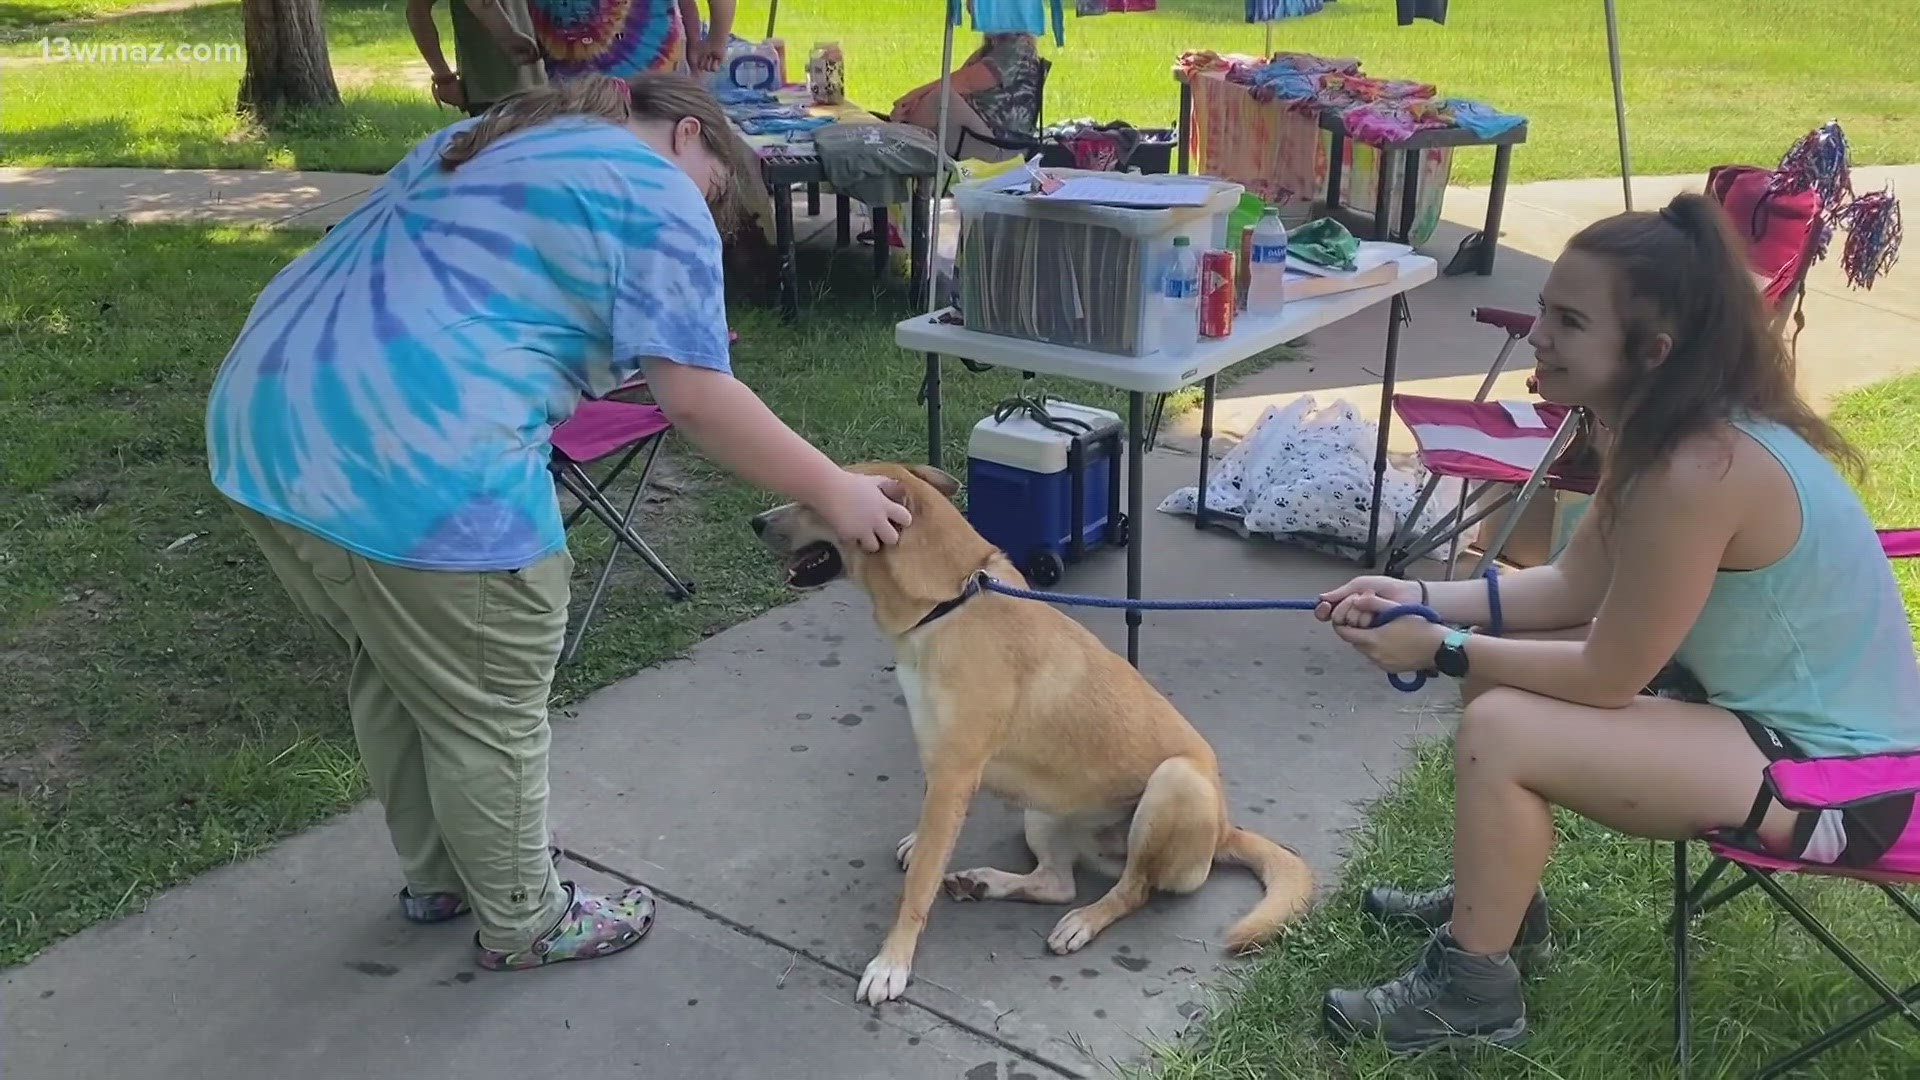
(1180, 299)
(1267, 266)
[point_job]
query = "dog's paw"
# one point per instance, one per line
(884, 980)
(903, 851)
(969, 885)
(1073, 931)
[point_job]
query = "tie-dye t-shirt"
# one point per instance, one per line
(395, 388)
(621, 38)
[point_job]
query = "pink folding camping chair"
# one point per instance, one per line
(598, 430)
(1880, 796)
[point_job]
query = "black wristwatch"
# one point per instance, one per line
(1450, 658)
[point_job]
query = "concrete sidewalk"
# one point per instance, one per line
(311, 200)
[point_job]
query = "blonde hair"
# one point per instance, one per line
(651, 96)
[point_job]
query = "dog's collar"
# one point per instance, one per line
(967, 592)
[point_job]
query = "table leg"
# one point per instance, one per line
(843, 221)
(930, 389)
(1136, 520)
(921, 242)
(882, 245)
(1496, 202)
(783, 240)
(1206, 452)
(813, 199)
(1335, 167)
(1395, 311)
(1185, 126)
(1409, 192)
(1382, 194)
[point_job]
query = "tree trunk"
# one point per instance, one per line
(287, 65)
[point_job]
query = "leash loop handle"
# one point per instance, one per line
(1409, 683)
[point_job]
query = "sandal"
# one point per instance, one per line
(591, 927)
(442, 907)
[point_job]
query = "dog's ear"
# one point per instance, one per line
(942, 482)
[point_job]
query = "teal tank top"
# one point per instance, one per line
(1816, 645)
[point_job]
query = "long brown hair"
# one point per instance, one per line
(648, 96)
(1682, 272)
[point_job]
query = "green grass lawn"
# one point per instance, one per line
(182, 114)
(162, 708)
(1708, 81)
(17, 14)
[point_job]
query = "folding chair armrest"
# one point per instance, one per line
(1515, 323)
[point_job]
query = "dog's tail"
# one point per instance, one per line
(1288, 881)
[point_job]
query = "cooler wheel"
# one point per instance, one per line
(1045, 569)
(1122, 531)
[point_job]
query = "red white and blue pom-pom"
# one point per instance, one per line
(1873, 237)
(1819, 162)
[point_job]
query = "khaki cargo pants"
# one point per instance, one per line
(448, 693)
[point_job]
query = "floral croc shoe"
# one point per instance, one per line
(592, 926)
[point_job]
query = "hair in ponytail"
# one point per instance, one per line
(651, 96)
(1682, 272)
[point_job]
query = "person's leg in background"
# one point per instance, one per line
(961, 117)
(388, 740)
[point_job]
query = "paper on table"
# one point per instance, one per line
(1095, 189)
(1100, 189)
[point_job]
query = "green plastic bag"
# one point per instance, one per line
(1324, 242)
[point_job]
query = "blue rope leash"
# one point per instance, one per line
(1405, 684)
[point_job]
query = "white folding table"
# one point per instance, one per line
(936, 335)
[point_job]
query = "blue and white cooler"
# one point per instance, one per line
(1043, 483)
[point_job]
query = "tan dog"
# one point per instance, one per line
(1014, 696)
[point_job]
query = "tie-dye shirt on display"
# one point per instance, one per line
(395, 388)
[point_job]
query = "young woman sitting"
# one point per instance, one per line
(1723, 539)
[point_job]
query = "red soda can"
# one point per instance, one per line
(1216, 293)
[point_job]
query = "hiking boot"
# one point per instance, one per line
(1448, 997)
(439, 907)
(590, 927)
(1432, 909)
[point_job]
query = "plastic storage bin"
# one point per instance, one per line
(1076, 274)
(1045, 495)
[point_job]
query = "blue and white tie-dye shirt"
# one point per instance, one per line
(395, 387)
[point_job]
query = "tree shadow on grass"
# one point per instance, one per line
(368, 135)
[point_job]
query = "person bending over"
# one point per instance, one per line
(382, 427)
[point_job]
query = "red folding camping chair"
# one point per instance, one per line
(598, 430)
(1880, 793)
(1488, 443)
